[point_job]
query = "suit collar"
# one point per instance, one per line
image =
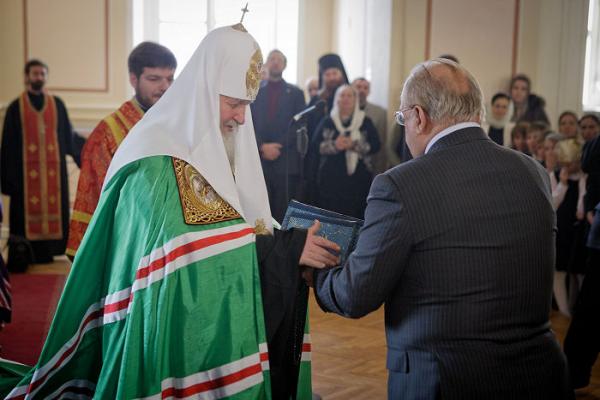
(459, 136)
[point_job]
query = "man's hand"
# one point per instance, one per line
(270, 151)
(316, 252)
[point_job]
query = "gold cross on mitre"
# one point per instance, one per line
(244, 11)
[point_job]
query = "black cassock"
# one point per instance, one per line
(285, 301)
(11, 171)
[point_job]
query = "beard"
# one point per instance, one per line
(229, 142)
(37, 85)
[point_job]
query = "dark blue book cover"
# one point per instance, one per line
(339, 228)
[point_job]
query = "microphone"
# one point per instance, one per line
(318, 106)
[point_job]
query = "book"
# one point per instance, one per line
(339, 228)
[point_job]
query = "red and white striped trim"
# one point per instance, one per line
(306, 348)
(172, 256)
(216, 383)
(264, 356)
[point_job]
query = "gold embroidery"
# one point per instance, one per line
(32, 148)
(33, 174)
(200, 203)
(260, 228)
(253, 74)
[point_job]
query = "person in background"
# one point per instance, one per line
(332, 75)
(151, 72)
(568, 125)
(275, 105)
(590, 162)
(582, 342)
(528, 106)
(589, 125)
(570, 238)
(378, 116)
(311, 88)
(36, 138)
(498, 123)
(345, 140)
(518, 137)
(536, 133)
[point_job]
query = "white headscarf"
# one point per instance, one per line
(185, 122)
(358, 117)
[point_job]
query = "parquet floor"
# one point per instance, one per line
(349, 356)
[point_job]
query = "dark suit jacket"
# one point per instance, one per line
(290, 103)
(459, 245)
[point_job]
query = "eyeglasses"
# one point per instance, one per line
(400, 118)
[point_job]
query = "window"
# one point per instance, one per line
(591, 77)
(181, 24)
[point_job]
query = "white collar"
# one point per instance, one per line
(448, 131)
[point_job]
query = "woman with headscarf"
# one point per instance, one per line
(498, 123)
(345, 141)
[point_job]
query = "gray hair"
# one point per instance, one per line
(448, 98)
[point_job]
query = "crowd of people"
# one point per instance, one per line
(179, 164)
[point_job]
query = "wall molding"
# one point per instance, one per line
(106, 85)
(515, 33)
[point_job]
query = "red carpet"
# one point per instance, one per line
(34, 302)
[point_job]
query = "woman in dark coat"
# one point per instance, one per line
(528, 106)
(345, 142)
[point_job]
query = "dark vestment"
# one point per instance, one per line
(335, 189)
(285, 300)
(272, 111)
(12, 168)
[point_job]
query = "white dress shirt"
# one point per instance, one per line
(449, 130)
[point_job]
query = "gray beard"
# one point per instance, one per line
(229, 142)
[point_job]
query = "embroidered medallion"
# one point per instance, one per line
(200, 202)
(253, 74)
(260, 228)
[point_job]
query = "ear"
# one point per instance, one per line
(422, 119)
(133, 80)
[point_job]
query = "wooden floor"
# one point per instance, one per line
(349, 356)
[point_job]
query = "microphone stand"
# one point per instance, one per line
(302, 148)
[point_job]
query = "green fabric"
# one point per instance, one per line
(205, 314)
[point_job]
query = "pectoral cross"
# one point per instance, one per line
(244, 11)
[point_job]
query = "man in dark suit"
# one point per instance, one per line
(275, 105)
(459, 245)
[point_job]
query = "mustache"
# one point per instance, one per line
(232, 124)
